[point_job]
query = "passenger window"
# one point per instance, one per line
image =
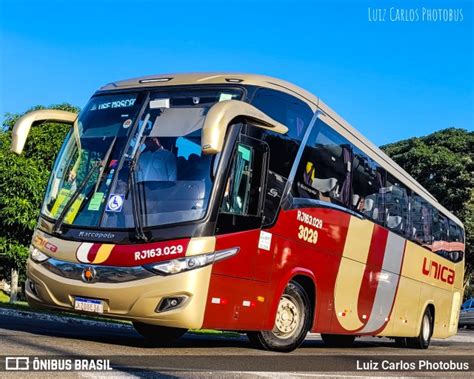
(440, 228)
(237, 199)
(455, 232)
(324, 172)
(396, 206)
(440, 235)
(284, 108)
(367, 184)
(421, 214)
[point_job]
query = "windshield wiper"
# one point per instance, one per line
(105, 163)
(100, 164)
(59, 222)
(136, 195)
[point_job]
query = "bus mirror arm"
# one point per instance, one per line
(22, 127)
(219, 117)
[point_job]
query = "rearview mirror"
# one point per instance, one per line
(22, 127)
(219, 117)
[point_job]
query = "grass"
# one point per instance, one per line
(23, 306)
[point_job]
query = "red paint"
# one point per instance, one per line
(93, 252)
(288, 257)
(372, 271)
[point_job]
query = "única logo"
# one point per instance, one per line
(438, 271)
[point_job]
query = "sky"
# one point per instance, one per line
(391, 79)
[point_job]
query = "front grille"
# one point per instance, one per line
(103, 274)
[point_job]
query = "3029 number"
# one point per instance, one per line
(307, 234)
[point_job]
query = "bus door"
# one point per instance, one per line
(241, 211)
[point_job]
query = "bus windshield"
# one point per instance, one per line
(135, 153)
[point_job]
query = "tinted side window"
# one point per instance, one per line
(440, 228)
(367, 184)
(455, 232)
(296, 115)
(324, 169)
(421, 220)
(396, 206)
(284, 108)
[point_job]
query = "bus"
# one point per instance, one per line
(238, 202)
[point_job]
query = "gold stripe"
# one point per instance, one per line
(103, 253)
(201, 245)
(351, 272)
(359, 237)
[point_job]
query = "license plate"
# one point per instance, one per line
(88, 305)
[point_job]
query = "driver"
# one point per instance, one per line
(156, 163)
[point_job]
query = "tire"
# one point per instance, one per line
(422, 341)
(292, 322)
(338, 340)
(158, 335)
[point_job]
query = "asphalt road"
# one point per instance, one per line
(199, 356)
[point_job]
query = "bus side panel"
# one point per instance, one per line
(294, 259)
(404, 319)
(289, 255)
(235, 304)
(310, 242)
(236, 300)
(439, 279)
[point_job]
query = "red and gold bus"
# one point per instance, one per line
(239, 202)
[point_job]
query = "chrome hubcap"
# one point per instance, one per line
(287, 318)
(426, 328)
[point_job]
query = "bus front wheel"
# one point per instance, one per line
(158, 334)
(292, 322)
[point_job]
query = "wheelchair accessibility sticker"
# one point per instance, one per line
(115, 203)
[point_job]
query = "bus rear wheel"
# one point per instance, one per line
(158, 335)
(292, 322)
(338, 340)
(422, 341)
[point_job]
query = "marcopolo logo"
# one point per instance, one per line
(98, 235)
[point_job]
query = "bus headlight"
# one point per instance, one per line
(176, 266)
(37, 255)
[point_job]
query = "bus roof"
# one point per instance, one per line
(214, 78)
(313, 102)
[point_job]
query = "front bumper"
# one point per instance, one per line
(135, 300)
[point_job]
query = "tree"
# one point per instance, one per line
(23, 180)
(443, 163)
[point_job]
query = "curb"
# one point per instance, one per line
(61, 318)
